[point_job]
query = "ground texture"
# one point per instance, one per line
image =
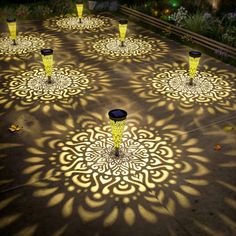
(58, 174)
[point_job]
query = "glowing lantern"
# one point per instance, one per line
(79, 7)
(117, 122)
(11, 22)
(167, 11)
(47, 56)
(155, 13)
(122, 29)
(194, 58)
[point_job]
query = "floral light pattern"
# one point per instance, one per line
(151, 161)
(33, 85)
(24, 44)
(112, 47)
(137, 48)
(212, 88)
(89, 23)
(28, 89)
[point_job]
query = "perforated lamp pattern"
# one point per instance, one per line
(11, 22)
(117, 122)
(47, 57)
(194, 58)
(122, 29)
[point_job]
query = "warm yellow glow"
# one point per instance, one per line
(211, 85)
(48, 64)
(147, 158)
(12, 29)
(193, 64)
(122, 29)
(194, 58)
(117, 128)
(79, 22)
(79, 8)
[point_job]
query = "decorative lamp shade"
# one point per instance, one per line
(123, 28)
(47, 56)
(79, 7)
(11, 22)
(194, 58)
(117, 122)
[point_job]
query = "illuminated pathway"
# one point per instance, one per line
(59, 173)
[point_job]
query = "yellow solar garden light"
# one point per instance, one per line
(80, 7)
(47, 56)
(117, 122)
(11, 22)
(123, 28)
(194, 58)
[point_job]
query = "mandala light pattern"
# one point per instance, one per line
(89, 23)
(31, 86)
(150, 163)
(24, 44)
(112, 47)
(137, 48)
(213, 89)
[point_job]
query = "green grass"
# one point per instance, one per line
(196, 23)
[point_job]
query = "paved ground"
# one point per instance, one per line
(58, 176)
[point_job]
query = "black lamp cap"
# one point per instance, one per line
(123, 22)
(195, 54)
(117, 114)
(79, 1)
(46, 52)
(11, 20)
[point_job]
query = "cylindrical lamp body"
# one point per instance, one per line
(47, 57)
(194, 58)
(80, 7)
(123, 29)
(11, 22)
(117, 122)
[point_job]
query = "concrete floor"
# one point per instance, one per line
(54, 179)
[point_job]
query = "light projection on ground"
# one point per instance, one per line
(153, 159)
(88, 23)
(112, 47)
(24, 44)
(29, 89)
(137, 48)
(168, 85)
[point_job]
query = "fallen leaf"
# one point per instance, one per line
(14, 128)
(217, 147)
(228, 128)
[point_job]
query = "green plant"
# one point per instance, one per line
(62, 7)
(41, 11)
(196, 23)
(229, 37)
(22, 11)
(8, 12)
(132, 3)
(179, 16)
